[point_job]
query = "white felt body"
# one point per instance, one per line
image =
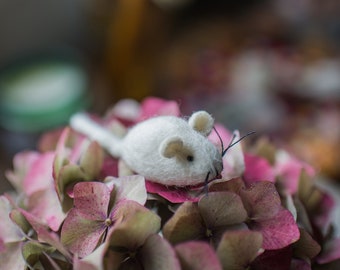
(166, 149)
(141, 150)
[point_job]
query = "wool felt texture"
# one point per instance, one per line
(166, 149)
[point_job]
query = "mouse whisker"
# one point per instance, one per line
(232, 143)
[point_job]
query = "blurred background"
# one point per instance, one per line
(271, 66)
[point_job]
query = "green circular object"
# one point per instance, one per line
(40, 95)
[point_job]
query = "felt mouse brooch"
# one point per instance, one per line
(166, 149)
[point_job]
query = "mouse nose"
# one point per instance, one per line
(218, 165)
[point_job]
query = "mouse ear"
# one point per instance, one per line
(202, 122)
(171, 147)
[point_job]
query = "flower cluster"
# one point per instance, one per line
(76, 207)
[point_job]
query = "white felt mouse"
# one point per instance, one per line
(166, 149)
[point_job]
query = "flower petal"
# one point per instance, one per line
(92, 160)
(81, 235)
(134, 224)
(186, 224)
(129, 188)
(237, 249)
(45, 205)
(273, 259)
(39, 175)
(109, 168)
(22, 163)
(306, 246)
(196, 255)
(221, 209)
(9, 231)
(92, 199)
(173, 195)
(257, 169)
(279, 231)
(93, 261)
(289, 169)
(153, 106)
(261, 200)
(331, 252)
(157, 254)
(11, 257)
(233, 160)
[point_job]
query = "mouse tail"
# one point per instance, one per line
(82, 123)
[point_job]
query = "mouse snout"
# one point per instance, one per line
(218, 166)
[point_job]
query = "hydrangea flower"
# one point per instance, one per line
(76, 207)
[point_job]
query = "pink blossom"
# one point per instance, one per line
(233, 160)
(172, 194)
(257, 169)
(153, 106)
(288, 169)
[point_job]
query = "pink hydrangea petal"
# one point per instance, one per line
(223, 133)
(39, 176)
(261, 200)
(22, 163)
(130, 187)
(274, 259)
(233, 160)
(257, 169)
(297, 264)
(126, 110)
(48, 141)
(289, 169)
(60, 148)
(279, 231)
(153, 106)
(92, 199)
(44, 233)
(171, 194)
(9, 231)
(81, 235)
(45, 205)
(331, 252)
(109, 167)
(77, 150)
(53, 240)
(11, 257)
(73, 154)
(323, 218)
(93, 261)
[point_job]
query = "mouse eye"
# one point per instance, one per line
(190, 158)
